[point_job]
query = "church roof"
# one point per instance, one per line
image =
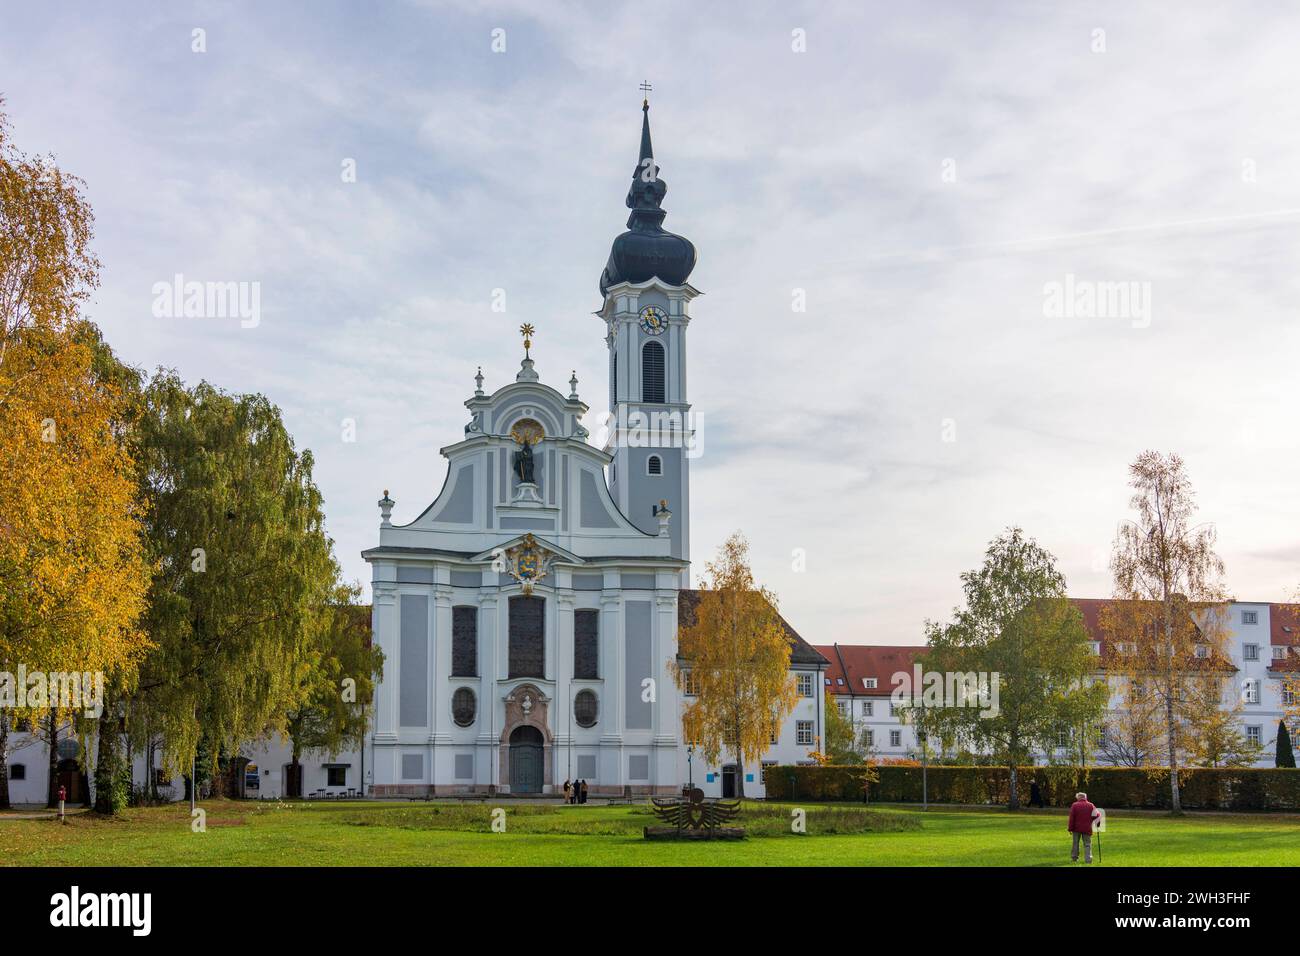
(801, 652)
(647, 250)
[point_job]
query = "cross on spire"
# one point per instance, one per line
(646, 89)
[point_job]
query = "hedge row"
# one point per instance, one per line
(1112, 787)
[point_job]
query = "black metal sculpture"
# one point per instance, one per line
(691, 815)
(524, 464)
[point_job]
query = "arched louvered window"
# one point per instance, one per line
(654, 465)
(652, 373)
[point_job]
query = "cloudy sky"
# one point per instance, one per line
(921, 177)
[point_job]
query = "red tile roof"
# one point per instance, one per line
(854, 662)
(1284, 622)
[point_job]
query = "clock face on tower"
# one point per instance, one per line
(653, 320)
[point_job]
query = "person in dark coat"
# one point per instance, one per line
(1035, 794)
(583, 789)
(1082, 813)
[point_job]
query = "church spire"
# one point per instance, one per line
(647, 250)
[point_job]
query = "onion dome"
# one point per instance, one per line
(646, 250)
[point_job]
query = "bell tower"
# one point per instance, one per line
(646, 313)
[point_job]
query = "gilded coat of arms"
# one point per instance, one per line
(527, 563)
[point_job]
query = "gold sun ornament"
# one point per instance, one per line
(527, 330)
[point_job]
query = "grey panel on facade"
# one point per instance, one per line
(406, 575)
(588, 582)
(527, 524)
(464, 766)
(638, 767)
(587, 767)
(637, 660)
(459, 508)
(412, 766)
(505, 475)
(564, 492)
(413, 688)
(593, 513)
(586, 643)
(466, 579)
(527, 630)
(464, 641)
(641, 582)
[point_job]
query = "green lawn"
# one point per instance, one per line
(434, 834)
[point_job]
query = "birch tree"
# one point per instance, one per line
(1168, 602)
(734, 663)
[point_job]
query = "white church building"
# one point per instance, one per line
(528, 616)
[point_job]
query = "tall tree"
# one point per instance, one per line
(1284, 756)
(72, 569)
(1168, 600)
(735, 660)
(335, 676)
(236, 530)
(1017, 628)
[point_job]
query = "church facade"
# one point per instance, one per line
(528, 616)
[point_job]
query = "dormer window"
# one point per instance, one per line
(869, 683)
(1202, 651)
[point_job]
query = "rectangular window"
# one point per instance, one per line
(870, 738)
(638, 767)
(1249, 617)
(766, 764)
(869, 683)
(527, 637)
(893, 710)
(1250, 652)
(895, 738)
(843, 706)
(1288, 695)
(1279, 653)
(1095, 647)
(805, 685)
(1250, 691)
(464, 766)
(587, 767)
(803, 733)
(464, 641)
(1253, 734)
(1062, 739)
(1202, 651)
(868, 708)
(586, 643)
(17, 771)
(336, 776)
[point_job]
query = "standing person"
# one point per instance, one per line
(1035, 794)
(567, 791)
(583, 785)
(1082, 814)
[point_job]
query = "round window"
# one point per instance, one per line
(584, 708)
(463, 707)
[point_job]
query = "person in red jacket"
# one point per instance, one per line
(1082, 813)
